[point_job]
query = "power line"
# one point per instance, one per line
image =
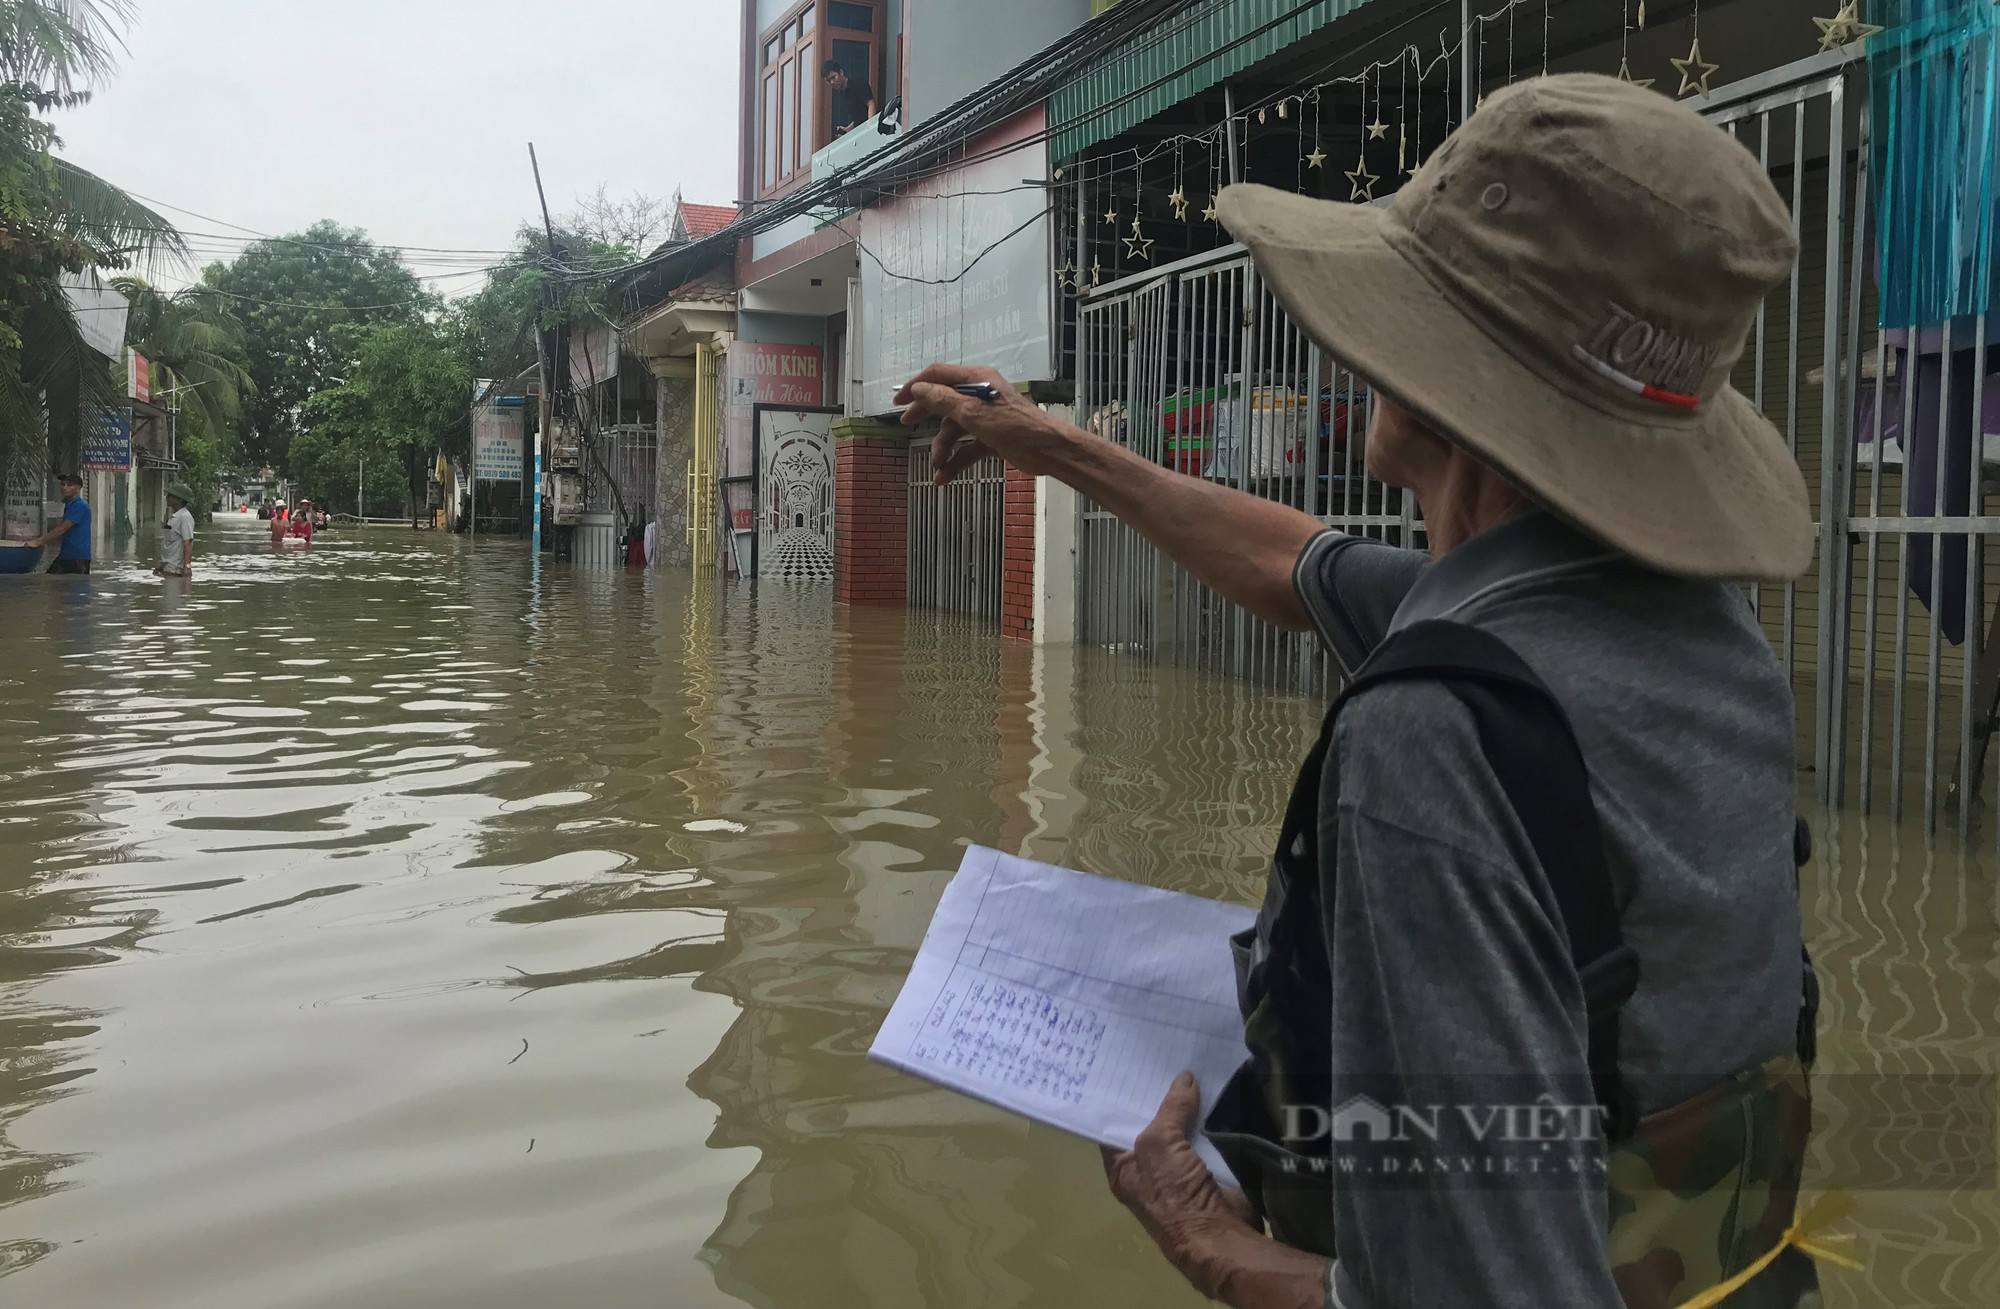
(937, 134)
(292, 240)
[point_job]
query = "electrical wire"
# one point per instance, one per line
(970, 264)
(1298, 91)
(1112, 28)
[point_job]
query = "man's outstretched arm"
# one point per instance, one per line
(1242, 546)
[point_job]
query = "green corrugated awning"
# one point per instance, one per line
(1223, 38)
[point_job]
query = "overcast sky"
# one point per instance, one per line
(411, 118)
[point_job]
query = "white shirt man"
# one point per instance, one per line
(177, 539)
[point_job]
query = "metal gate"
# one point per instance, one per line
(620, 474)
(1200, 369)
(1195, 366)
(955, 537)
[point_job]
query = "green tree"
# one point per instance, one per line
(195, 344)
(534, 292)
(56, 218)
(408, 394)
(294, 295)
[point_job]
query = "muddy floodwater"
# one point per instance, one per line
(392, 924)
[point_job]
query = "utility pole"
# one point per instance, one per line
(360, 487)
(546, 415)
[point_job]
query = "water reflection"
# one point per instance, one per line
(396, 924)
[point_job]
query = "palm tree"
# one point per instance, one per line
(56, 44)
(56, 218)
(194, 341)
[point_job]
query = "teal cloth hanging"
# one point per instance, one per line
(1935, 90)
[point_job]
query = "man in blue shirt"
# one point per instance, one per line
(73, 531)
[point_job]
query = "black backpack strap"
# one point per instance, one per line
(1529, 742)
(1808, 1029)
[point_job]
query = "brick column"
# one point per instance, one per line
(1017, 558)
(871, 512)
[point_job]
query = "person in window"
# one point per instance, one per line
(853, 102)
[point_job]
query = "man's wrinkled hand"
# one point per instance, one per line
(972, 429)
(1171, 1192)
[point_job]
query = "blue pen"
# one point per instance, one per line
(980, 391)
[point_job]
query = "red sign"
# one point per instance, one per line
(779, 374)
(141, 378)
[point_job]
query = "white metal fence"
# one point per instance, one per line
(1892, 642)
(955, 537)
(620, 478)
(1200, 369)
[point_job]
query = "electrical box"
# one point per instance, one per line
(566, 499)
(566, 446)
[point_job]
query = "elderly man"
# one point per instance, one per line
(1544, 855)
(177, 537)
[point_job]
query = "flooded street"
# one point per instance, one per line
(382, 931)
(386, 926)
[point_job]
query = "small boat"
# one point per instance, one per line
(18, 558)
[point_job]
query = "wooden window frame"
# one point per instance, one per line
(779, 163)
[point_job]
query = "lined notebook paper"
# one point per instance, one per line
(1072, 999)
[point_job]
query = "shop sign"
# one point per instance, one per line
(107, 440)
(497, 444)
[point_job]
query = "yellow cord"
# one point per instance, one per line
(1808, 1234)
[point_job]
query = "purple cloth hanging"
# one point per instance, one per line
(1961, 444)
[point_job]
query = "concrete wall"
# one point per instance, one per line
(957, 46)
(781, 329)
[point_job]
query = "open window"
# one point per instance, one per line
(795, 105)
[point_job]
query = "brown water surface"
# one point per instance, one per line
(391, 925)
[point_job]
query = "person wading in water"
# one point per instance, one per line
(1545, 854)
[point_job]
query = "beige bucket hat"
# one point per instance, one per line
(1563, 290)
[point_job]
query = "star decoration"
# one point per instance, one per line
(1317, 159)
(1377, 129)
(1139, 245)
(1069, 277)
(1096, 273)
(1362, 180)
(1694, 70)
(1212, 214)
(1179, 201)
(1844, 28)
(1625, 74)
